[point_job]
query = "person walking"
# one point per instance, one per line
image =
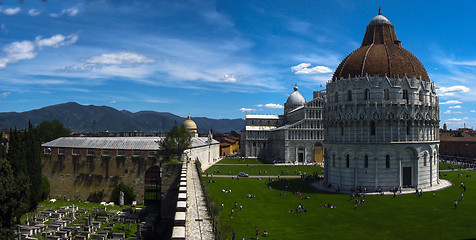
(456, 204)
(462, 197)
(234, 235)
(257, 231)
(232, 211)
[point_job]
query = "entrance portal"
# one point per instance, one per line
(152, 185)
(407, 176)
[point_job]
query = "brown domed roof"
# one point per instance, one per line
(381, 53)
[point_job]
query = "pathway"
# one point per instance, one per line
(198, 222)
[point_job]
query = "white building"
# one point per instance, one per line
(295, 136)
(381, 117)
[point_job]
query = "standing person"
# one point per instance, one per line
(234, 235)
(241, 207)
(232, 211)
(235, 204)
(257, 231)
(456, 204)
(222, 205)
(462, 197)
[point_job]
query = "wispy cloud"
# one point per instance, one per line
(69, 11)
(450, 102)
(454, 120)
(273, 105)
(247, 109)
(451, 91)
(122, 59)
(11, 11)
(34, 12)
(303, 69)
(56, 41)
(228, 78)
(5, 94)
(457, 106)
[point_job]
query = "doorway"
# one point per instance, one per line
(407, 176)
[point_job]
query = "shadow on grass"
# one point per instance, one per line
(297, 185)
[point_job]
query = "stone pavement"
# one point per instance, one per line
(443, 184)
(198, 223)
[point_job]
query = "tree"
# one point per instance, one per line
(9, 199)
(33, 158)
(50, 130)
(45, 187)
(128, 191)
(175, 142)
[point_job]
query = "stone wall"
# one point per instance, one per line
(74, 177)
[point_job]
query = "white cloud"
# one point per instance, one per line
(457, 106)
(112, 102)
(463, 63)
(447, 112)
(450, 102)
(56, 41)
(259, 105)
(11, 11)
(17, 51)
(228, 78)
(454, 120)
(303, 69)
(273, 105)
(5, 94)
(24, 50)
(247, 109)
(450, 91)
(33, 12)
(473, 111)
(69, 11)
(119, 58)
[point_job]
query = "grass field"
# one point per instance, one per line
(270, 170)
(241, 161)
(381, 217)
(447, 166)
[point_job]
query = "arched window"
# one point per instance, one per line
(387, 161)
(405, 94)
(424, 160)
(349, 95)
(372, 128)
(409, 125)
(420, 96)
(366, 161)
(336, 97)
(366, 94)
(386, 94)
(347, 160)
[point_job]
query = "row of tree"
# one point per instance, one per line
(22, 184)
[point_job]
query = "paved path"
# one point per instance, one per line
(198, 222)
(251, 176)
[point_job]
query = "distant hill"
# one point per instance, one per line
(82, 118)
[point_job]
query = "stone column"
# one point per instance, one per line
(376, 172)
(400, 172)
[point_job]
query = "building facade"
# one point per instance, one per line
(381, 117)
(295, 136)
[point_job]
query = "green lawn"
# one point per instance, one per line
(447, 166)
(382, 217)
(271, 170)
(241, 161)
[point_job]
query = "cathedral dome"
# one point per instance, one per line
(381, 54)
(295, 99)
(189, 124)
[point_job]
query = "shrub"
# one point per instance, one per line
(96, 196)
(45, 187)
(128, 191)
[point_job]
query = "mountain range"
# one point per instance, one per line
(91, 118)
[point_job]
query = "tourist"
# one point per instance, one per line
(257, 232)
(234, 235)
(456, 204)
(222, 205)
(232, 211)
(235, 204)
(462, 197)
(265, 234)
(241, 207)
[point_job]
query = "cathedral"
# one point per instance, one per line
(295, 136)
(381, 117)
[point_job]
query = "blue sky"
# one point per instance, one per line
(217, 59)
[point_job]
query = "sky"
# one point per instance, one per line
(218, 59)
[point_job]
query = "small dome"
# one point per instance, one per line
(379, 19)
(189, 124)
(295, 98)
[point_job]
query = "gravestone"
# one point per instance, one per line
(121, 198)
